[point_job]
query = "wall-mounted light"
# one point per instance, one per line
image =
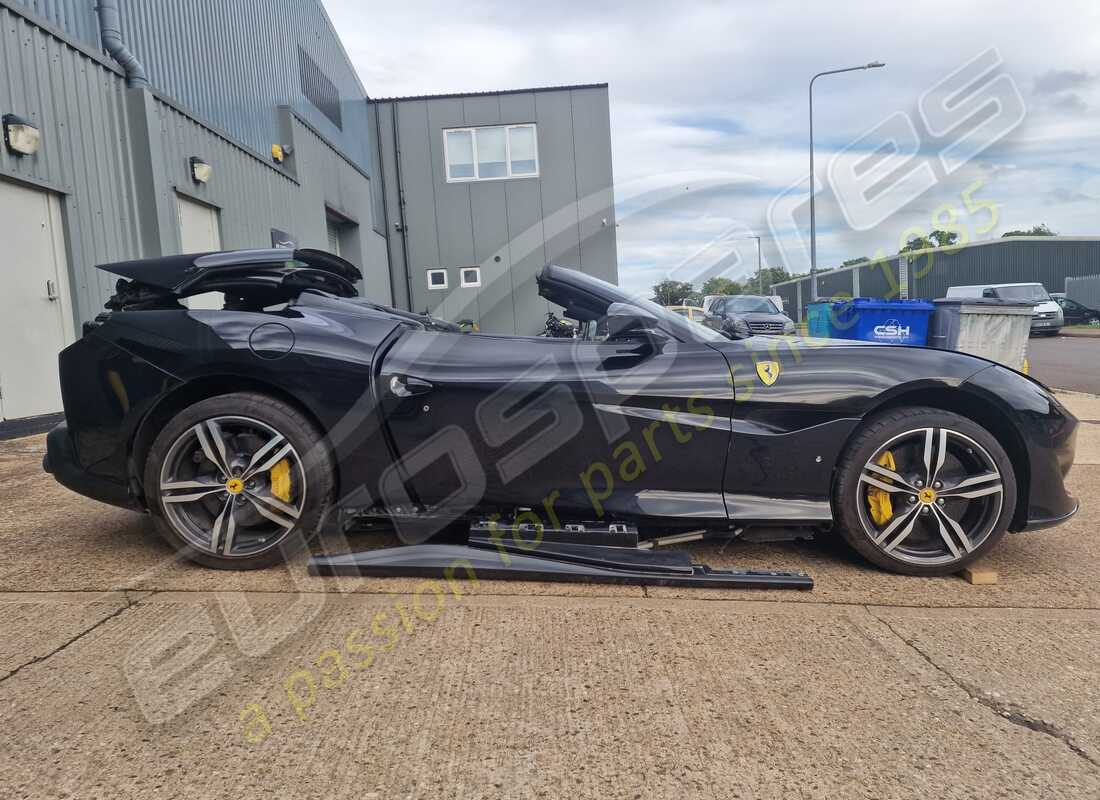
(21, 137)
(200, 170)
(279, 152)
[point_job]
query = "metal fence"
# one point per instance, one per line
(1050, 260)
(1085, 291)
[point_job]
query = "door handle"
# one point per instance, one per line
(51, 291)
(406, 386)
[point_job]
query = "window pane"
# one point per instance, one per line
(460, 154)
(523, 150)
(492, 159)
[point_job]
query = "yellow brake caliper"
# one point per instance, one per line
(280, 480)
(882, 508)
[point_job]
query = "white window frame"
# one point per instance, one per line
(507, 153)
(476, 284)
(432, 287)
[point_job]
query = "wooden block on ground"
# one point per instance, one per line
(979, 576)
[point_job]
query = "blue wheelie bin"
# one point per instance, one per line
(817, 319)
(886, 321)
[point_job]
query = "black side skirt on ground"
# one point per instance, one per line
(551, 562)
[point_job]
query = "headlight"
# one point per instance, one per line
(788, 326)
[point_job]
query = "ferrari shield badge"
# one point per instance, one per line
(768, 371)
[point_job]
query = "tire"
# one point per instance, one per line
(918, 538)
(249, 504)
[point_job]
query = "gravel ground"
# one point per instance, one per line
(128, 674)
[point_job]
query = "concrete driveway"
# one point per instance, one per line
(124, 673)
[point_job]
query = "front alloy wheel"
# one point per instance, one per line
(925, 491)
(944, 499)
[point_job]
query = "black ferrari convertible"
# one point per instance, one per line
(247, 429)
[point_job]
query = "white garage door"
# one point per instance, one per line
(199, 233)
(35, 312)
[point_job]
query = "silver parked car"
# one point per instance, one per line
(747, 314)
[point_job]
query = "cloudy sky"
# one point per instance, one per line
(709, 118)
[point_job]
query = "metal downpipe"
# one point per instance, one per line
(110, 29)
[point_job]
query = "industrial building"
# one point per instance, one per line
(1049, 260)
(134, 128)
(517, 180)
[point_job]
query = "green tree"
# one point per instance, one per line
(671, 293)
(936, 238)
(1039, 230)
(719, 285)
(770, 275)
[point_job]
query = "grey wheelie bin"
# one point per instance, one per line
(987, 327)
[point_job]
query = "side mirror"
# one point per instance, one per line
(625, 321)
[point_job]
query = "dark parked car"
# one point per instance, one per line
(1076, 313)
(745, 314)
(244, 430)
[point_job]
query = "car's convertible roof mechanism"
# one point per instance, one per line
(269, 275)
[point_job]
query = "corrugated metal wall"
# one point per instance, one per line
(1085, 290)
(1046, 260)
(78, 103)
(789, 293)
(232, 62)
(94, 158)
(510, 228)
(252, 197)
(77, 18)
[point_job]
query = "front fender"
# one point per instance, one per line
(1048, 433)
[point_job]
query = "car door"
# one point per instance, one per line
(569, 429)
(788, 425)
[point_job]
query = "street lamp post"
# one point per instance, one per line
(759, 269)
(759, 273)
(813, 215)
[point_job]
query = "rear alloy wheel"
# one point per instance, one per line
(238, 490)
(925, 492)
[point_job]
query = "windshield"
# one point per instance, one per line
(751, 305)
(680, 326)
(1032, 292)
(587, 298)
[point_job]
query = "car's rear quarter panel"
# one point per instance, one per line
(115, 380)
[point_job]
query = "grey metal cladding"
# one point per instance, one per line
(233, 63)
(318, 89)
(558, 177)
(79, 105)
(591, 120)
(1085, 290)
(77, 18)
(564, 215)
(835, 284)
(418, 180)
(1050, 261)
(252, 196)
(525, 253)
